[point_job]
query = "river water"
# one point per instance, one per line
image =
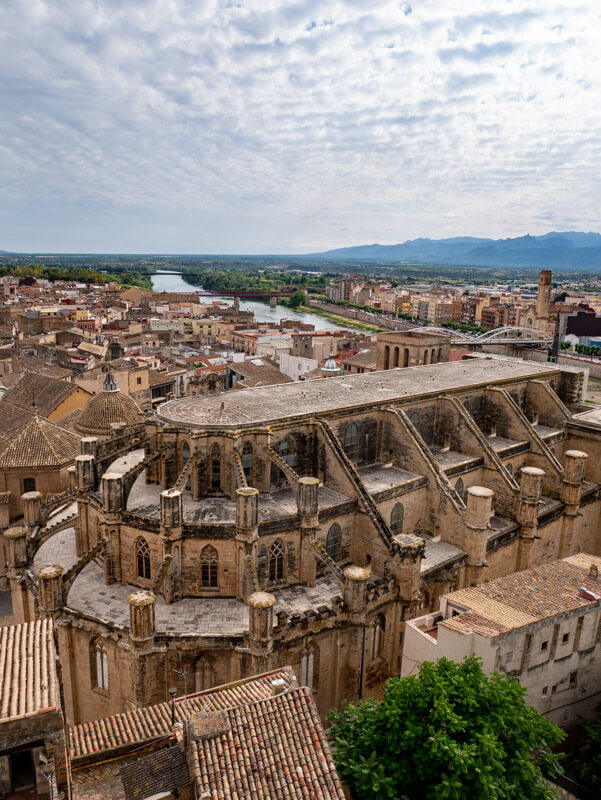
(168, 281)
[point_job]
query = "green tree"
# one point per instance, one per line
(449, 733)
(586, 770)
(296, 300)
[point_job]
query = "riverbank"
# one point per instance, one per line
(349, 323)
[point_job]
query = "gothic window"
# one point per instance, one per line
(209, 563)
(28, 485)
(276, 561)
(247, 461)
(334, 542)
(396, 518)
(351, 437)
(309, 667)
(99, 666)
(386, 357)
(143, 558)
(377, 637)
(215, 467)
(203, 674)
(510, 469)
(414, 419)
(287, 451)
(185, 459)
(460, 488)
(406, 357)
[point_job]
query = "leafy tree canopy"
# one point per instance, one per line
(449, 733)
(587, 769)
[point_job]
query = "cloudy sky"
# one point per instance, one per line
(288, 126)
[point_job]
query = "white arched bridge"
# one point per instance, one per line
(507, 335)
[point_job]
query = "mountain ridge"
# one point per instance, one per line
(575, 249)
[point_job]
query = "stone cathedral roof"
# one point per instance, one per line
(108, 407)
(35, 442)
(261, 406)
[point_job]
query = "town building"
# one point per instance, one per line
(541, 626)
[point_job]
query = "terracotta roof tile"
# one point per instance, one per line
(39, 391)
(521, 598)
(273, 748)
(150, 722)
(105, 408)
(28, 683)
(38, 443)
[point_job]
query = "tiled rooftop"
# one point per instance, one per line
(274, 749)
(149, 722)
(36, 443)
(293, 400)
(28, 683)
(528, 596)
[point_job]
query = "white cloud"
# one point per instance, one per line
(279, 126)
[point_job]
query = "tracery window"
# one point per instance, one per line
(215, 467)
(247, 461)
(203, 674)
(277, 553)
(460, 488)
(396, 518)
(377, 637)
(99, 666)
(309, 667)
(334, 542)
(143, 558)
(209, 566)
(286, 449)
(351, 438)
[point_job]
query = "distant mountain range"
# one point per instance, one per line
(568, 249)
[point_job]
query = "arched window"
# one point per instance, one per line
(460, 488)
(396, 357)
(510, 469)
(386, 357)
(309, 667)
(426, 356)
(247, 461)
(396, 518)
(276, 561)
(433, 356)
(143, 558)
(99, 665)
(377, 637)
(215, 467)
(406, 357)
(440, 354)
(351, 437)
(414, 419)
(28, 485)
(334, 542)
(185, 459)
(209, 564)
(286, 449)
(203, 674)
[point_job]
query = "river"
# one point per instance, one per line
(168, 281)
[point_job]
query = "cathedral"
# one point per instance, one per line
(300, 524)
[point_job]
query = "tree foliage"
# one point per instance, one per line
(587, 768)
(449, 733)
